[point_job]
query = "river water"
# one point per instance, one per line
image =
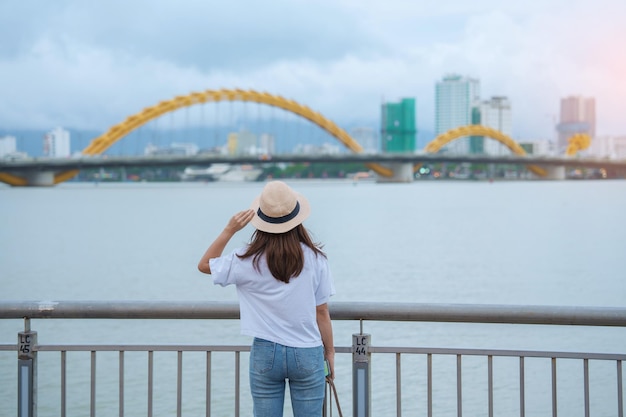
(523, 242)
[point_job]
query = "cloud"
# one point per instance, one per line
(89, 65)
(207, 35)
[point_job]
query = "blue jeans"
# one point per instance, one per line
(271, 364)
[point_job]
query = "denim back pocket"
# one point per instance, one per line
(309, 359)
(262, 355)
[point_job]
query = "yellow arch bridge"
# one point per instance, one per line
(119, 131)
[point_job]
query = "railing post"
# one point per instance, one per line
(26, 372)
(361, 376)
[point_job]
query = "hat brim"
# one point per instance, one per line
(260, 224)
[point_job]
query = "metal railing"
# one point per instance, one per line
(362, 349)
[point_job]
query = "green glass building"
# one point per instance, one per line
(476, 143)
(398, 132)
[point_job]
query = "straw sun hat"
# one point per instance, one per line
(279, 208)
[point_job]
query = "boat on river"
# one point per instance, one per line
(222, 172)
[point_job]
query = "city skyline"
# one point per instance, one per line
(88, 66)
(459, 103)
(397, 131)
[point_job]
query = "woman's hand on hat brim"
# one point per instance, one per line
(239, 220)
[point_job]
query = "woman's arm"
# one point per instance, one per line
(326, 330)
(235, 224)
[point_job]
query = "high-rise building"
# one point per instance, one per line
(267, 144)
(578, 115)
(613, 147)
(496, 114)
(242, 143)
(398, 126)
(56, 143)
(456, 101)
(7, 146)
(366, 137)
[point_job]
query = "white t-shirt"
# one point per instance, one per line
(271, 309)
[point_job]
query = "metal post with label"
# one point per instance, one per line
(361, 386)
(26, 372)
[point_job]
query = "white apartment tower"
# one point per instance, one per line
(7, 146)
(56, 143)
(267, 144)
(456, 97)
(496, 114)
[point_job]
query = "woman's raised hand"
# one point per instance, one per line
(239, 220)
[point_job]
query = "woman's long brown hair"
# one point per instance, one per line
(282, 251)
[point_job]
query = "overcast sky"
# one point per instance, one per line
(90, 64)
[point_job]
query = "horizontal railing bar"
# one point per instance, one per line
(147, 348)
(141, 348)
(497, 352)
(480, 313)
(338, 349)
(118, 310)
(458, 313)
